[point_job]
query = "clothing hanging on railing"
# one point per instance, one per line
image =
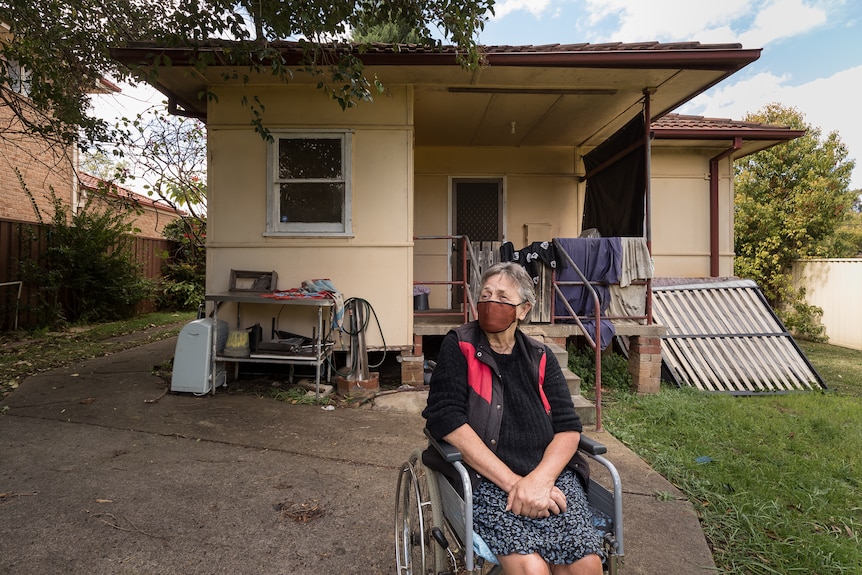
(600, 260)
(533, 257)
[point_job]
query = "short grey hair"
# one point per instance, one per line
(517, 274)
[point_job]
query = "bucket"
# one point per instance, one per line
(237, 344)
(420, 301)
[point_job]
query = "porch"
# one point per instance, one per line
(644, 359)
(555, 322)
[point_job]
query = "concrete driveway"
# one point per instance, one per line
(103, 474)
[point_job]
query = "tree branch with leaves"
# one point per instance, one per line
(65, 46)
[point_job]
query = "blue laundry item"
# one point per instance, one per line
(607, 327)
(600, 260)
(325, 286)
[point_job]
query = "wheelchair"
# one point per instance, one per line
(434, 524)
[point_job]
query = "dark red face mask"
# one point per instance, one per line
(496, 316)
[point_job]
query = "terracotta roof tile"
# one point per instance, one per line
(91, 182)
(676, 125)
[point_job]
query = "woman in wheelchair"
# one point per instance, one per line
(501, 399)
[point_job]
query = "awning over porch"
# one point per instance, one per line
(550, 95)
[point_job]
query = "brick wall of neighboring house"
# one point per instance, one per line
(42, 166)
(150, 216)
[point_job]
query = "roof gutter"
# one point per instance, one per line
(781, 134)
(693, 59)
(714, 254)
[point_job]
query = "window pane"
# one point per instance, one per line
(312, 203)
(309, 158)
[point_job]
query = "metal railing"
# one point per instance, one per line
(594, 340)
(468, 310)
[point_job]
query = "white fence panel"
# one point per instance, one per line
(835, 285)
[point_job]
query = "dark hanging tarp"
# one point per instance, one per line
(614, 202)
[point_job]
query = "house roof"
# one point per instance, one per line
(93, 183)
(689, 131)
(543, 95)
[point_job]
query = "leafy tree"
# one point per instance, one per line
(103, 166)
(169, 154)
(184, 273)
(390, 31)
(64, 45)
(848, 237)
(790, 201)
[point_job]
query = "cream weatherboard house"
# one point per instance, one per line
(499, 150)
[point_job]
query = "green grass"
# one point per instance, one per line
(22, 355)
(781, 491)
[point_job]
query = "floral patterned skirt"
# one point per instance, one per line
(559, 539)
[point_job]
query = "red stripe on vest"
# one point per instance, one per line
(545, 402)
(478, 374)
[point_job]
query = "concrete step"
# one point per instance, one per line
(585, 409)
(573, 380)
(559, 352)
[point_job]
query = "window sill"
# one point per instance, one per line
(312, 235)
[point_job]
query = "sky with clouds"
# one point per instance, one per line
(811, 59)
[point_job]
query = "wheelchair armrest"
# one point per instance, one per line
(591, 446)
(448, 452)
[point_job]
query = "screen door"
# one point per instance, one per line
(477, 212)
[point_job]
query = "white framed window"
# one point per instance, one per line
(309, 183)
(19, 77)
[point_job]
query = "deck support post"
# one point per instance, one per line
(645, 364)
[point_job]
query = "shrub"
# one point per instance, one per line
(88, 272)
(184, 275)
(615, 370)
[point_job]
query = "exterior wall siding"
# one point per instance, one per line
(681, 216)
(375, 264)
(540, 185)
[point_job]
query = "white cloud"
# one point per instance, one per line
(677, 20)
(827, 103)
(782, 19)
(753, 23)
(534, 7)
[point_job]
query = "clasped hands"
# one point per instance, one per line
(534, 498)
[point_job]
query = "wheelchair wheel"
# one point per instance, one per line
(416, 504)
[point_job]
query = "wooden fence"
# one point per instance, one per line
(25, 241)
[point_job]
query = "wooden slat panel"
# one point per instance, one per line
(727, 339)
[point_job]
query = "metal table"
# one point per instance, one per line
(320, 350)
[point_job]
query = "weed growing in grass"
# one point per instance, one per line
(298, 396)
